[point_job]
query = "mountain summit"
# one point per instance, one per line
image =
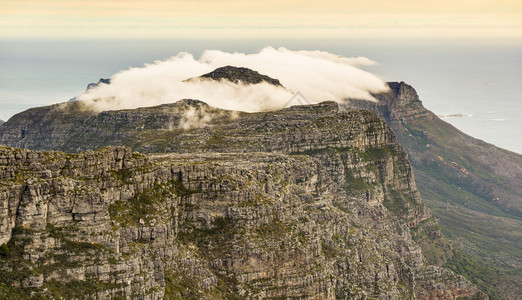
(309, 201)
(240, 74)
(467, 182)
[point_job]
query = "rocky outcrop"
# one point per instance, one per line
(317, 203)
(239, 74)
(93, 85)
(401, 104)
(96, 84)
(469, 184)
(74, 127)
(428, 138)
(340, 140)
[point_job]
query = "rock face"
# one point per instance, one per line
(239, 74)
(468, 183)
(93, 85)
(427, 138)
(308, 202)
(73, 127)
(101, 81)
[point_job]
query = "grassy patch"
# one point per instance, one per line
(143, 206)
(355, 183)
(330, 251)
(375, 154)
(148, 204)
(123, 175)
(486, 278)
(398, 203)
(76, 289)
(435, 247)
(181, 190)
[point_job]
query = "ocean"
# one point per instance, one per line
(479, 81)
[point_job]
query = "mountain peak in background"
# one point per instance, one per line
(240, 74)
(306, 202)
(93, 85)
(468, 183)
(96, 84)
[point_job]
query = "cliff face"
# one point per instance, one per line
(469, 184)
(236, 75)
(429, 139)
(307, 202)
(74, 127)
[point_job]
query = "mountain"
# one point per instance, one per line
(93, 85)
(474, 189)
(306, 202)
(96, 84)
(2, 122)
(239, 74)
(471, 186)
(73, 127)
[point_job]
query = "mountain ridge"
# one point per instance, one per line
(468, 182)
(323, 209)
(239, 74)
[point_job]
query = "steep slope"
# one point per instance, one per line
(331, 218)
(474, 188)
(73, 127)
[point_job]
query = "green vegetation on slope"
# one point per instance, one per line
(472, 187)
(460, 188)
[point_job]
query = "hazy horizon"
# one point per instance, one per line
(438, 214)
(225, 19)
(462, 56)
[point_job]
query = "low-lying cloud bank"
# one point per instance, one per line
(317, 75)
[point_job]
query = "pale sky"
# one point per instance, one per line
(217, 19)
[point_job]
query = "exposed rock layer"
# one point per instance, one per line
(474, 188)
(309, 202)
(311, 130)
(243, 75)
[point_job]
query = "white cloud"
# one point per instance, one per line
(319, 76)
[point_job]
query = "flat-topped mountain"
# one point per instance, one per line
(240, 74)
(308, 202)
(469, 184)
(73, 127)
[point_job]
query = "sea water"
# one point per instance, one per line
(479, 80)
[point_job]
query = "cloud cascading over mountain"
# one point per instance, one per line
(317, 75)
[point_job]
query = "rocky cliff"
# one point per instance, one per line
(97, 84)
(474, 188)
(307, 202)
(239, 74)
